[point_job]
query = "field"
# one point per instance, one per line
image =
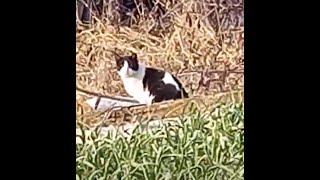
(202, 43)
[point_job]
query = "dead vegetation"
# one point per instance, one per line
(202, 42)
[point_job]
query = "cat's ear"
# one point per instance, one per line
(134, 56)
(117, 56)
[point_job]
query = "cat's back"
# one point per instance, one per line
(161, 79)
(163, 85)
(153, 76)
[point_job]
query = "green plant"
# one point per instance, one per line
(201, 147)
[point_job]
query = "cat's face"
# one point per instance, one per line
(127, 66)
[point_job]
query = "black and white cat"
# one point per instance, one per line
(148, 85)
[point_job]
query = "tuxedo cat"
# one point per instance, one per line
(148, 85)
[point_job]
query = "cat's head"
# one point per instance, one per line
(127, 66)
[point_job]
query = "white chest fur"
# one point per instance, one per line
(134, 87)
(133, 83)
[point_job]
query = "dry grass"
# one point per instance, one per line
(205, 59)
(208, 57)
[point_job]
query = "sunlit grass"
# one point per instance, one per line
(201, 146)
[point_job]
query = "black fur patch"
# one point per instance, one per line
(162, 92)
(132, 62)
